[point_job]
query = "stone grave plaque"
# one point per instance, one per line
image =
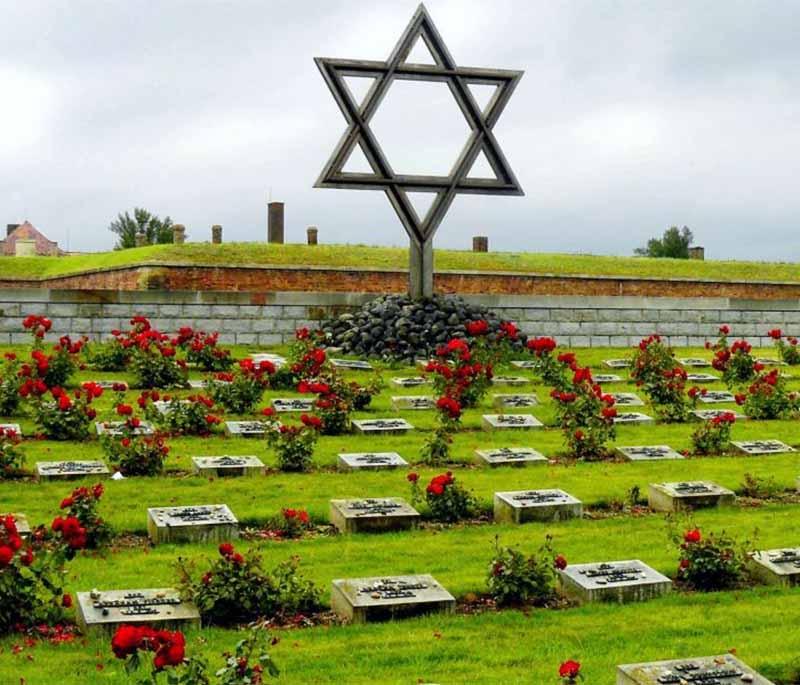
(510, 422)
(513, 381)
(115, 428)
(725, 669)
(413, 402)
(363, 600)
(352, 364)
(164, 407)
(200, 385)
(510, 456)
(109, 384)
(627, 399)
(522, 506)
(617, 363)
(381, 426)
(632, 417)
(701, 377)
(649, 453)
(776, 566)
(372, 515)
(616, 581)
(524, 364)
(108, 609)
(689, 494)
(293, 404)
(520, 401)
(762, 446)
(606, 378)
(23, 527)
(708, 414)
(228, 466)
(410, 381)
(247, 429)
(276, 359)
(715, 397)
(695, 362)
(203, 523)
(70, 470)
(769, 361)
(370, 460)
(13, 427)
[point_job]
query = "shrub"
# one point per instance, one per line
(787, 349)
(307, 360)
(436, 449)
(54, 369)
(358, 396)
(191, 416)
(82, 505)
(586, 415)
(447, 500)
(237, 589)
(153, 361)
(514, 578)
(551, 368)
(711, 562)
(663, 380)
(570, 672)
(294, 445)
(735, 362)
(759, 487)
(11, 457)
(456, 374)
(240, 391)
(651, 358)
(66, 417)
(110, 355)
(202, 349)
(10, 383)
(333, 404)
(714, 435)
(768, 398)
(291, 523)
(491, 348)
(132, 453)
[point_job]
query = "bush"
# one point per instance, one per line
(514, 578)
(787, 349)
(202, 350)
(714, 435)
(291, 523)
(436, 449)
(191, 416)
(153, 361)
(66, 417)
(456, 374)
(735, 362)
(768, 398)
(11, 457)
(759, 487)
(236, 589)
(294, 445)
(82, 505)
(711, 562)
(307, 360)
(240, 391)
(132, 453)
(447, 500)
(110, 355)
(10, 383)
(551, 369)
(663, 380)
(54, 369)
(333, 404)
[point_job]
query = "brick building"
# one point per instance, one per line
(36, 243)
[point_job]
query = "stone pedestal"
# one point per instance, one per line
(724, 669)
(312, 234)
(140, 240)
(381, 426)
(374, 461)
(617, 363)
(410, 381)
(275, 222)
(672, 497)
(292, 404)
(204, 523)
(632, 417)
(373, 515)
(178, 234)
(649, 453)
(109, 609)
(503, 402)
(776, 566)
(227, 466)
(115, 428)
(70, 470)
(494, 422)
(697, 252)
(364, 600)
(512, 381)
(413, 402)
(523, 506)
(216, 234)
(246, 429)
(480, 243)
(616, 581)
(510, 456)
(757, 447)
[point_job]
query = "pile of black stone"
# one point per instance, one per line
(396, 327)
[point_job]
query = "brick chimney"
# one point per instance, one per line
(10, 228)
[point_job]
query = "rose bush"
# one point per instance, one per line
(767, 397)
(734, 361)
(713, 436)
(63, 416)
(436, 448)
(82, 505)
(240, 391)
(153, 360)
(203, 349)
(786, 346)
(514, 578)
(710, 562)
(11, 457)
(294, 445)
(10, 382)
(447, 500)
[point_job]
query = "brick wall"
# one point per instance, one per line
(269, 318)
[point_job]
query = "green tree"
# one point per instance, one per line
(673, 244)
(155, 231)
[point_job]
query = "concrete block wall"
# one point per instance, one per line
(271, 318)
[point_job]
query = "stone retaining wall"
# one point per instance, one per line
(271, 318)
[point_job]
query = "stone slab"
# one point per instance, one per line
(724, 669)
(70, 470)
(776, 566)
(293, 404)
(770, 361)
(370, 460)
(413, 402)
(524, 364)
(522, 506)
(513, 381)
(616, 581)
(109, 384)
(695, 362)
(363, 600)
(515, 401)
(715, 397)
(617, 363)
(228, 466)
(410, 381)
(352, 364)
(754, 447)
(510, 456)
(606, 378)
(708, 414)
(632, 418)
(202, 523)
(649, 453)
(510, 422)
(108, 609)
(276, 359)
(114, 428)
(381, 426)
(627, 399)
(372, 515)
(702, 378)
(689, 494)
(246, 429)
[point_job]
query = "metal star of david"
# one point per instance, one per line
(396, 186)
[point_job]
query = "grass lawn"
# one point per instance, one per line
(262, 254)
(508, 646)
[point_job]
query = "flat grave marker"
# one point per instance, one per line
(512, 381)
(363, 600)
(373, 515)
(716, 397)
(627, 399)
(247, 429)
(769, 361)
(12, 427)
(116, 428)
(754, 447)
(701, 377)
(199, 384)
(23, 527)
(109, 384)
(108, 609)
(293, 404)
(724, 669)
(228, 466)
(616, 581)
(413, 402)
(695, 362)
(410, 381)
(689, 494)
(632, 417)
(649, 453)
(70, 470)
(202, 523)
(708, 414)
(515, 401)
(275, 359)
(381, 426)
(164, 407)
(522, 506)
(524, 364)
(617, 363)
(352, 364)
(510, 422)
(607, 378)
(370, 460)
(776, 566)
(510, 456)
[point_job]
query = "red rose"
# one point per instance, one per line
(124, 409)
(477, 327)
(775, 334)
(127, 640)
(724, 330)
(26, 559)
(66, 601)
(412, 477)
(692, 536)
(6, 555)
(226, 549)
(67, 502)
(560, 562)
(268, 411)
(64, 402)
(569, 669)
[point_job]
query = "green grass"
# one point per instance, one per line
(508, 646)
(361, 256)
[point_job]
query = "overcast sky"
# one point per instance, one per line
(631, 116)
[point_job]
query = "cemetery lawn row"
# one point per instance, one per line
(362, 256)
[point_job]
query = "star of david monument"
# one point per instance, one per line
(420, 229)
